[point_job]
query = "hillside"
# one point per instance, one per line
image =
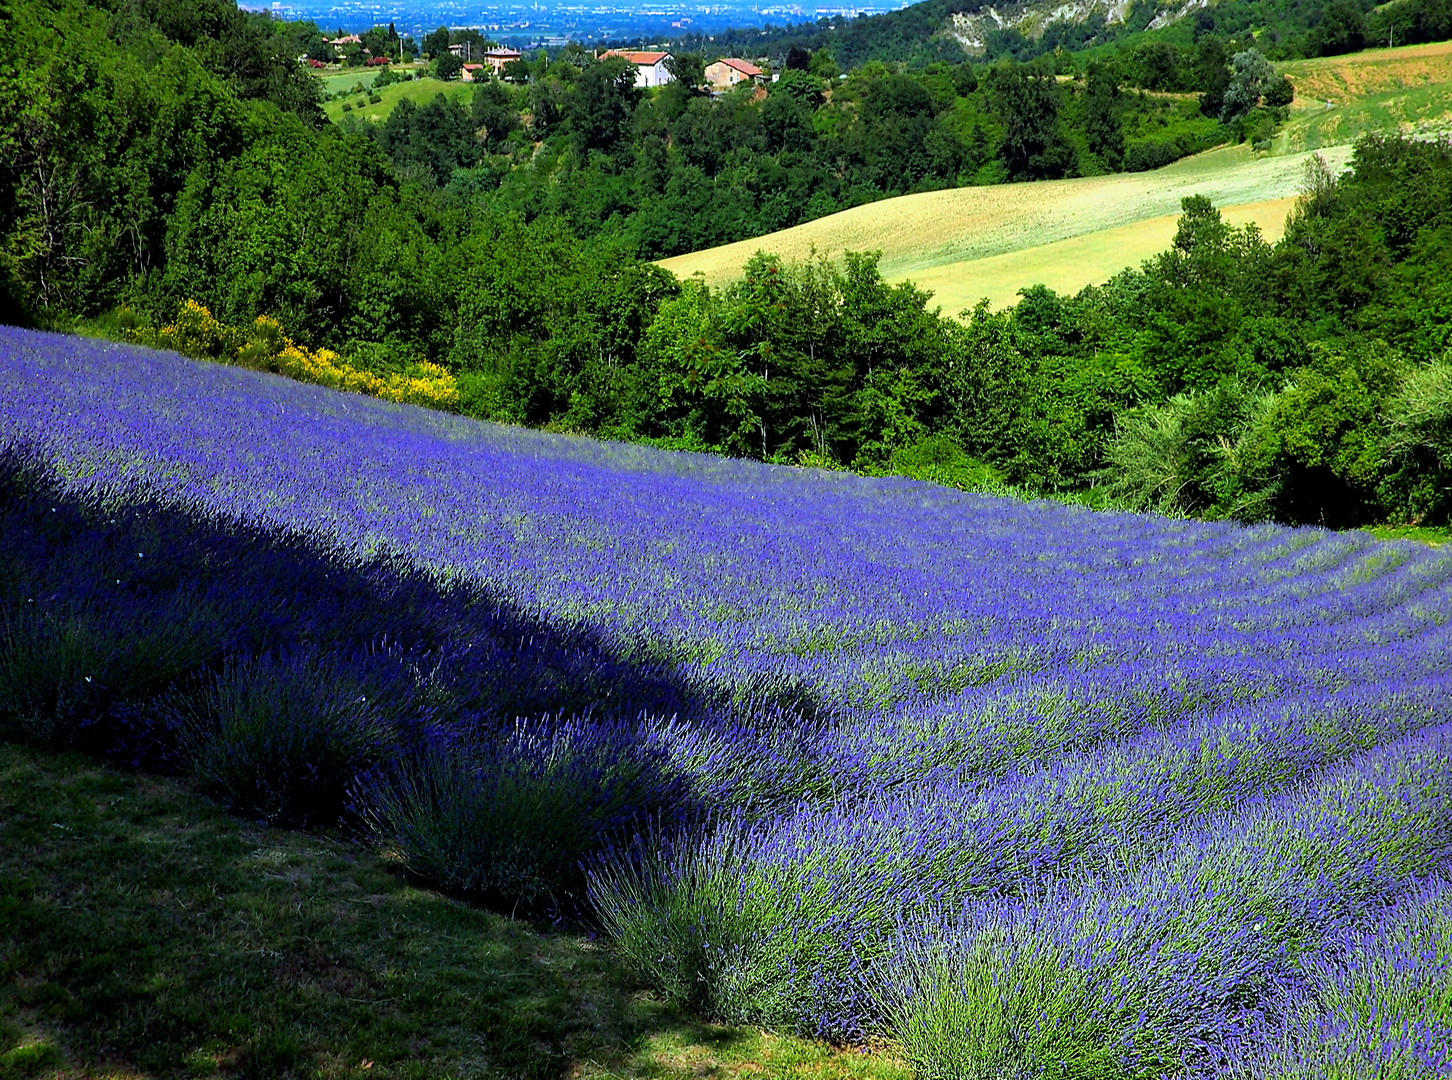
(418, 91)
(991, 241)
(852, 756)
(972, 243)
(1406, 90)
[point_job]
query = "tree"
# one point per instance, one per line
(1212, 75)
(1252, 76)
(1102, 126)
(602, 103)
(1027, 104)
(1342, 30)
(381, 40)
(436, 43)
(1280, 93)
(447, 66)
(1418, 444)
(688, 69)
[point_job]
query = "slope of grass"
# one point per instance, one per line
(992, 241)
(1344, 80)
(148, 934)
(419, 91)
(1066, 266)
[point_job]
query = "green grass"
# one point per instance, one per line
(1433, 536)
(419, 91)
(147, 933)
(1421, 110)
(335, 80)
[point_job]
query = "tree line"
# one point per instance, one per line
(678, 169)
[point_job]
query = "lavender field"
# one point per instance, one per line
(1026, 789)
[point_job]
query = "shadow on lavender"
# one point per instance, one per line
(305, 686)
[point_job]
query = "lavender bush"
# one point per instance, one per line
(843, 755)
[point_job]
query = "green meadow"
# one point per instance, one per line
(149, 933)
(419, 91)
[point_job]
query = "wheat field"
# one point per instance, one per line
(970, 243)
(973, 243)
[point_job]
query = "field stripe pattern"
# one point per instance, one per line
(916, 726)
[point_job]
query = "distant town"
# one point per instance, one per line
(523, 25)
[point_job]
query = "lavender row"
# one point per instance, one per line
(774, 907)
(1155, 973)
(773, 545)
(1375, 1001)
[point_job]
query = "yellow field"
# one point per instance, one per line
(992, 241)
(1066, 266)
(1345, 79)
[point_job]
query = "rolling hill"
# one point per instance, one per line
(971, 243)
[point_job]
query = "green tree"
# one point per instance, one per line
(709, 395)
(1322, 438)
(601, 104)
(447, 66)
(436, 44)
(1102, 125)
(1342, 29)
(1417, 449)
(1027, 105)
(1251, 78)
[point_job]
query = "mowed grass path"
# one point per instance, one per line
(148, 934)
(970, 243)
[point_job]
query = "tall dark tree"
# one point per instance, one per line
(1027, 104)
(602, 103)
(1102, 126)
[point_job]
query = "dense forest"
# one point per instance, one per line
(160, 164)
(681, 169)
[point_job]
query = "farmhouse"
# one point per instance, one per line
(650, 67)
(725, 73)
(495, 59)
(469, 72)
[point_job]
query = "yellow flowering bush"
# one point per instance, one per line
(422, 384)
(263, 345)
(196, 332)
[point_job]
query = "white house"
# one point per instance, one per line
(650, 67)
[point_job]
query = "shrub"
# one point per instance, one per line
(940, 460)
(279, 736)
(1190, 455)
(510, 819)
(1418, 444)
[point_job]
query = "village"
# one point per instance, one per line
(474, 58)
